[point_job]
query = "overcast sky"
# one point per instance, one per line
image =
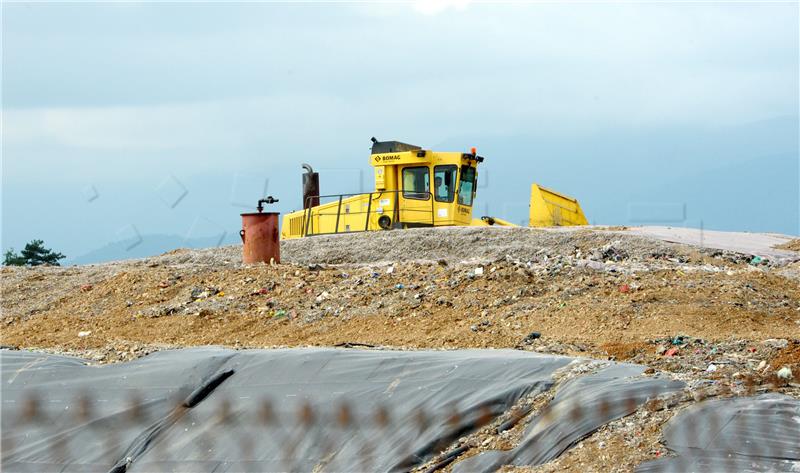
(125, 119)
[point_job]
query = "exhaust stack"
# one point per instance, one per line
(310, 187)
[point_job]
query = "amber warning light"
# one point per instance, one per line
(474, 150)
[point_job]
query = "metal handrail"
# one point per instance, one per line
(309, 212)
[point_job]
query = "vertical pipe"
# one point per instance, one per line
(396, 210)
(433, 209)
(310, 187)
(369, 207)
(338, 212)
(308, 220)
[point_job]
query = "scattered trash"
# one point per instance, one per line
(478, 271)
(680, 340)
(757, 260)
(89, 332)
(86, 287)
(671, 352)
(279, 313)
(314, 267)
(610, 252)
(390, 270)
(323, 296)
(624, 289)
(199, 293)
(777, 343)
(399, 286)
(263, 290)
(711, 368)
(784, 373)
(531, 337)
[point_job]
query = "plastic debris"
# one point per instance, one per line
(390, 270)
(399, 286)
(86, 333)
(711, 368)
(671, 352)
(531, 337)
(478, 271)
(624, 289)
(680, 340)
(784, 373)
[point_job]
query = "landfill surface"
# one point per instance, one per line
(719, 313)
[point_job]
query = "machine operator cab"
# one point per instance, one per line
(413, 188)
(422, 187)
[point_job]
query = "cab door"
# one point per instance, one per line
(445, 177)
(465, 196)
(415, 201)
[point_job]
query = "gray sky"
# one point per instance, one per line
(167, 118)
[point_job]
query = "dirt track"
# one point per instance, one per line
(589, 292)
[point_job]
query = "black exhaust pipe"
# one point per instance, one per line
(310, 187)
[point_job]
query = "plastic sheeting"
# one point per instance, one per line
(580, 407)
(739, 434)
(204, 409)
(212, 409)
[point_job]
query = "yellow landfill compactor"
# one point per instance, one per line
(415, 187)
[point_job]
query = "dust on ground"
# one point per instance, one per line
(793, 245)
(709, 317)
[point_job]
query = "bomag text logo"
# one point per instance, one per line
(463, 210)
(387, 158)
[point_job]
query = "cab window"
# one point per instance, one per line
(416, 183)
(467, 187)
(444, 183)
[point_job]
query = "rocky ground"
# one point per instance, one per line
(726, 322)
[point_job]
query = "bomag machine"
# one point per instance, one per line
(415, 187)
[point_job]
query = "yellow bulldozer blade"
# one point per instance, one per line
(550, 209)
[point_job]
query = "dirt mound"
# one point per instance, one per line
(793, 245)
(446, 288)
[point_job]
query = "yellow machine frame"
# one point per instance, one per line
(415, 187)
(405, 194)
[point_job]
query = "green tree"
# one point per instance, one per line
(34, 254)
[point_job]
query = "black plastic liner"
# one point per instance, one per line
(752, 434)
(204, 409)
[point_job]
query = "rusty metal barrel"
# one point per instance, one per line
(260, 238)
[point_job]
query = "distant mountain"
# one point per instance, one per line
(148, 245)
